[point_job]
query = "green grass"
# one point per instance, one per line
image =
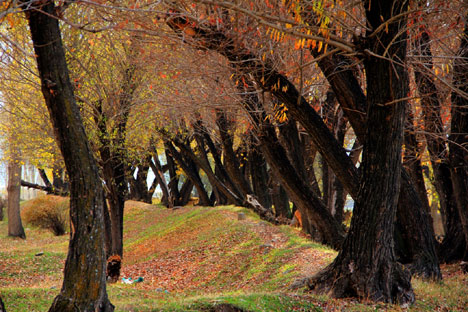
(233, 263)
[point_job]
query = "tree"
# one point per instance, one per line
(84, 285)
(458, 137)
(366, 265)
(15, 226)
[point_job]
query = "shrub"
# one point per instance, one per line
(47, 212)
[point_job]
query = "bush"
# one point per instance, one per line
(47, 212)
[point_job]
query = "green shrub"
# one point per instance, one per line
(47, 212)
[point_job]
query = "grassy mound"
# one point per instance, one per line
(200, 259)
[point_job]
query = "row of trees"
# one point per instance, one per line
(283, 84)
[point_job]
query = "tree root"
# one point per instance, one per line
(391, 284)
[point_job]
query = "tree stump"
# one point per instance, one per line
(114, 264)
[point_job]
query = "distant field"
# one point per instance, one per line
(195, 258)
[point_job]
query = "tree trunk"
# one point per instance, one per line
(173, 184)
(230, 160)
(459, 135)
(107, 227)
(272, 81)
(113, 170)
(190, 169)
(259, 175)
(453, 244)
(279, 198)
(186, 192)
(84, 284)
(15, 226)
(366, 266)
(2, 305)
(220, 169)
(2, 205)
(412, 162)
(339, 73)
(158, 172)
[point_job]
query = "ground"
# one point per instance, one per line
(194, 258)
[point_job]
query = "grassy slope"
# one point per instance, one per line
(194, 258)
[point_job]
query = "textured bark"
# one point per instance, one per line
(271, 81)
(15, 226)
(340, 75)
(459, 135)
(84, 284)
(366, 266)
(453, 244)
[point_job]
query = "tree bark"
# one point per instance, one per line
(453, 244)
(272, 81)
(15, 226)
(259, 176)
(2, 206)
(458, 138)
(84, 285)
(366, 266)
(340, 75)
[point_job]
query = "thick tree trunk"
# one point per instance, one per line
(15, 226)
(340, 75)
(271, 81)
(366, 266)
(84, 285)
(459, 135)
